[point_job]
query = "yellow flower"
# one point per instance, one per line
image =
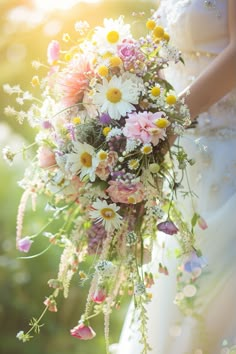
(150, 24)
(102, 155)
(106, 130)
(155, 91)
(115, 61)
(133, 164)
(146, 149)
(103, 70)
(76, 120)
(162, 123)
(113, 37)
(131, 200)
(114, 95)
(67, 56)
(35, 81)
(86, 159)
(66, 37)
(166, 37)
(158, 32)
(107, 55)
(171, 99)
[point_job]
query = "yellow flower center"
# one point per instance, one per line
(150, 24)
(114, 95)
(171, 99)
(107, 213)
(86, 159)
(115, 61)
(155, 91)
(162, 123)
(102, 155)
(113, 37)
(106, 130)
(103, 70)
(158, 31)
(68, 56)
(131, 200)
(133, 164)
(35, 81)
(106, 55)
(147, 149)
(66, 37)
(76, 120)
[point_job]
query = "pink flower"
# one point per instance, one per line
(121, 192)
(83, 332)
(75, 81)
(53, 52)
(142, 126)
(129, 52)
(46, 157)
(202, 223)
(24, 244)
(168, 227)
(51, 304)
(99, 296)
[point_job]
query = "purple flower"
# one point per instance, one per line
(24, 244)
(105, 119)
(168, 227)
(194, 262)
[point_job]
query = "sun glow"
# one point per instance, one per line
(50, 5)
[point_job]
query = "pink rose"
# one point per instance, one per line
(53, 52)
(99, 296)
(46, 157)
(83, 332)
(121, 192)
(24, 244)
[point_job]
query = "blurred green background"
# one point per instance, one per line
(27, 26)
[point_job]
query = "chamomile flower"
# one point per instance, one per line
(117, 96)
(146, 149)
(82, 159)
(133, 164)
(102, 155)
(106, 214)
(112, 34)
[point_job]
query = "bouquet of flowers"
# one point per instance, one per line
(105, 165)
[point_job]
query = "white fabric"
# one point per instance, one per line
(194, 28)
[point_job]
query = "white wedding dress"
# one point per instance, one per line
(201, 34)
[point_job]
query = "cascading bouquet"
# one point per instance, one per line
(105, 165)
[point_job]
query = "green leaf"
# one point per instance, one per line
(194, 219)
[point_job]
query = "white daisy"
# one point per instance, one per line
(117, 96)
(106, 213)
(82, 160)
(112, 34)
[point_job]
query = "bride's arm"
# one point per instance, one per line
(219, 78)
